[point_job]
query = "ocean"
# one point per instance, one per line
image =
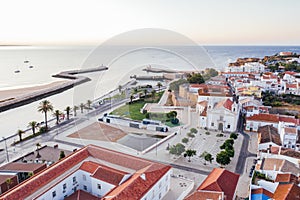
(123, 61)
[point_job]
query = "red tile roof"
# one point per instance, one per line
(89, 166)
(291, 86)
(24, 167)
(262, 191)
(204, 195)
(287, 192)
(225, 103)
(269, 133)
(217, 180)
(273, 118)
(81, 195)
(109, 175)
(290, 73)
(133, 188)
(287, 178)
(291, 130)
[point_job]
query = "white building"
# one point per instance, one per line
(288, 135)
(222, 115)
(247, 67)
(97, 173)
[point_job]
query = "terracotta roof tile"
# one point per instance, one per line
(24, 167)
(290, 130)
(287, 192)
(262, 191)
(204, 195)
(269, 134)
(109, 175)
(287, 178)
(264, 117)
(89, 166)
(217, 180)
(81, 195)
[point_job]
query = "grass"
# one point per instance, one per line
(132, 110)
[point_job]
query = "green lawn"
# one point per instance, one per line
(131, 111)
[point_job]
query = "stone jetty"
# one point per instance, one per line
(35, 96)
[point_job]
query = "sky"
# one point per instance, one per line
(228, 22)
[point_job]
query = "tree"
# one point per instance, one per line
(33, 125)
(37, 145)
(68, 109)
(82, 106)
(159, 85)
(208, 157)
(153, 94)
(20, 133)
(172, 114)
(223, 158)
(131, 98)
(44, 107)
(9, 182)
(195, 78)
(62, 155)
(177, 149)
(75, 108)
(228, 144)
(89, 103)
(185, 140)
(230, 152)
(190, 153)
(203, 156)
(193, 130)
(233, 136)
(57, 113)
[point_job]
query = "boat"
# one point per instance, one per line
(26, 61)
(17, 71)
(30, 66)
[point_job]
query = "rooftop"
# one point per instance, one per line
(23, 167)
(217, 180)
(269, 133)
(133, 188)
(204, 195)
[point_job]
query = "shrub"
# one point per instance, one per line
(219, 135)
(190, 135)
(233, 136)
(207, 133)
(193, 130)
(185, 140)
(175, 121)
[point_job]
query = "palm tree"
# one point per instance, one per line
(89, 103)
(37, 149)
(68, 109)
(44, 107)
(57, 113)
(159, 85)
(9, 182)
(82, 106)
(20, 132)
(75, 108)
(33, 125)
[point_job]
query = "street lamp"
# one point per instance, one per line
(7, 157)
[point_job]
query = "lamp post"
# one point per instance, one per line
(7, 157)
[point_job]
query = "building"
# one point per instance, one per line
(251, 67)
(262, 119)
(220, 184)
(288, 135)
(268, 136)
(94, 172)
(222, 115)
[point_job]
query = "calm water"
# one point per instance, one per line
(122, 61)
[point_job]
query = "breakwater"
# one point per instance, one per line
(35, 96)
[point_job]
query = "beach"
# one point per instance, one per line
(10, 94)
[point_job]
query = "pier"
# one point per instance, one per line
(35, 96)
(158, 70)
(150, 78)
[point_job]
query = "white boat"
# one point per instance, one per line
(17, 71)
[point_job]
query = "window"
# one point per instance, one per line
(74, 179)
(54, 194)
(159, 196)
(228, 126)
(84, 177)
(84, 187)
(212, 124)
(64, 186)
(99, 186)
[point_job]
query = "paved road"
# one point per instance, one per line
(244, 153)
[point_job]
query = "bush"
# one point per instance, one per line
(190, 135)
(233, 136)
(175, 121)
(177, 149)
(219, 135)
(193, 130)
(185, 140)
(207, 133)
(43, 129)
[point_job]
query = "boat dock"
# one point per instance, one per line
(35, 96)
(151, 78)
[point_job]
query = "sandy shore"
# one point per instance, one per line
(6, 95)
